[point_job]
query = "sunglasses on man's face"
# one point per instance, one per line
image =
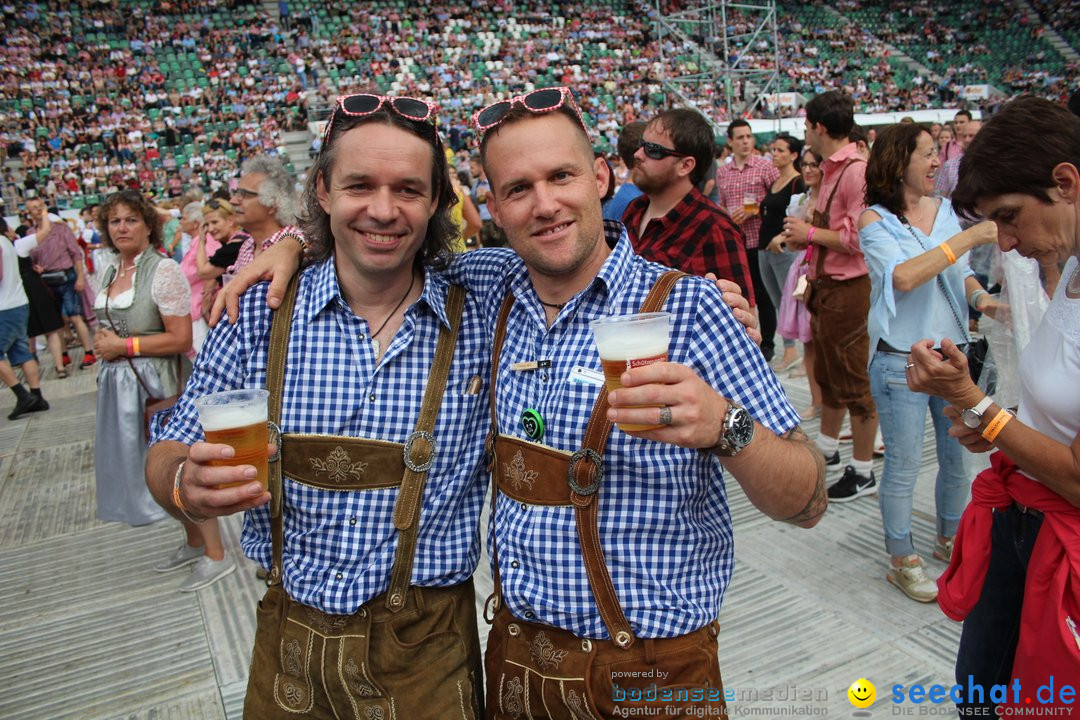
(537, 102)
(361, 104)
(659, 152)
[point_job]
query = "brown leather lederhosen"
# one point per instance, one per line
(838, 312)
(539, 671)
(410, 652)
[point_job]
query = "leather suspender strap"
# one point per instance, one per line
(275, 381)
(585, 479)
(821, 220)
(420, 453)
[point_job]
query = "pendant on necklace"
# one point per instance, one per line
(375, 347)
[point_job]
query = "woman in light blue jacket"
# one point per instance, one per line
(912, 243)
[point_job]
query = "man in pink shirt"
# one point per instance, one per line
(840, 292)
(747, 178)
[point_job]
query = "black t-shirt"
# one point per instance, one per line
(225, 257)
(774, 208)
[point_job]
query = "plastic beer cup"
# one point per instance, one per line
(629, 341)
(238, 418)
(750, 205)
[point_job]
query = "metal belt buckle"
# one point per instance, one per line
(275, 440)
(417, 435)
(596, 460)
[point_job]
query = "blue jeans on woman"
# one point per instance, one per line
(903, 418)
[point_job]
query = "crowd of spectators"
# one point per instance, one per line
(96, 96)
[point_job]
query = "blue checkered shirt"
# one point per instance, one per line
(339, 546)
(663, 515)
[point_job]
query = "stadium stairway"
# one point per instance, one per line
(1052, 36)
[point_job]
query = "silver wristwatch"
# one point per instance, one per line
(737, 431)
(973, 416)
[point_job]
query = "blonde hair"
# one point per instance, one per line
(219, 205)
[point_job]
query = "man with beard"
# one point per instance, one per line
(673, 223)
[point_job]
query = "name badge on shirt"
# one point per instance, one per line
(580, 375)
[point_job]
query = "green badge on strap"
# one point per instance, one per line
(533, 423)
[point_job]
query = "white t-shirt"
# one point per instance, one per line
(12, 294)
(1050, 368)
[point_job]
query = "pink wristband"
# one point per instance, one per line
(810, 234)
(130, 347)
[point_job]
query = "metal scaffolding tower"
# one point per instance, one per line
(734, 50)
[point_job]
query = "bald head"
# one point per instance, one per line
(967, 133)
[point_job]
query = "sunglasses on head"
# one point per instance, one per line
(659, 152)
(537, 102)
(361, 104)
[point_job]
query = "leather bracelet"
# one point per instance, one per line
(176, 496)
(944, 247)
(993, 429)
(299, 239)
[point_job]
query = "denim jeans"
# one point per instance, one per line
(773, 268)
(903, 418)
(992, 628)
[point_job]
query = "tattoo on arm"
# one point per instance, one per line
(818, 501)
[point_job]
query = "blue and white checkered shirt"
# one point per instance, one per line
(339, 546)
(663, 515)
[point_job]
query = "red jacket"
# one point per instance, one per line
(1049, 643)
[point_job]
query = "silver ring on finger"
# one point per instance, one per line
(665, 415)
(909, 366)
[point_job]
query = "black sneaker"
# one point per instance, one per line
(832, 462)
(852, 485)
(26, 404)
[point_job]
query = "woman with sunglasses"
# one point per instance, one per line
(144, 310)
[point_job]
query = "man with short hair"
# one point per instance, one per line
(672, 223)
(380, 373)
(629, 142)
(950, 169)
(840, 293)
(586, 581)
(952, 148)
(266, 206)
(747, 179)
(62, 267)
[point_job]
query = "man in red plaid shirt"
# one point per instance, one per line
(673, 223)
(743, 183)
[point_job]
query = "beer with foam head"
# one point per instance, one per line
(238, 418)
(629, 341)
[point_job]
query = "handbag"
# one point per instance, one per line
(152, 405)
(976, 349)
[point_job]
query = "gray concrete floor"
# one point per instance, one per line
(89, 631)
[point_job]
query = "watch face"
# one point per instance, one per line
(741, 428)
(971, 418)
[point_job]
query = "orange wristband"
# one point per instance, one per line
(135, 345)
(944, 247)
(993, 429)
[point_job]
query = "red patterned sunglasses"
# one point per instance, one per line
(538, 102)
(361, 104)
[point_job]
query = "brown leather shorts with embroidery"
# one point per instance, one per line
(536, 671)
(421, 662)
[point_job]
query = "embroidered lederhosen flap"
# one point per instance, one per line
(333, 462)
(531, 473)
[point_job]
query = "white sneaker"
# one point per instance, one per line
(184, 555)
(207, 572)
(912, 580)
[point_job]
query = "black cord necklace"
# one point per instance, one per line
(556, 306)
(374, 341)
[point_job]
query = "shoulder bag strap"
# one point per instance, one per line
(275, 381)
(420, 449)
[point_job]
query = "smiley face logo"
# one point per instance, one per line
(862, 693)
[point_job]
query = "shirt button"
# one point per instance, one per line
(524, 506)
(371, 397)
(362, 336)
(515, 564)
(529, 615)
(543, 377)
(352, 521)
(339, 576)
